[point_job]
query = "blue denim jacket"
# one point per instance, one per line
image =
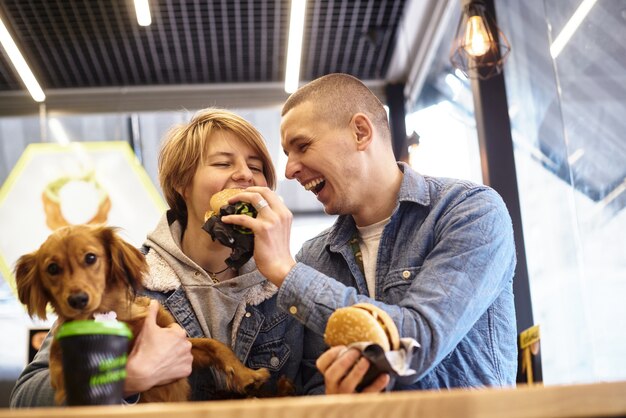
(444, 274)
(268, 337)
(265, 335)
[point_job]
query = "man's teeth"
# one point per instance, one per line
(310, 185)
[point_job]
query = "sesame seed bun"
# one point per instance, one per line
(220, 199)
(362, 322)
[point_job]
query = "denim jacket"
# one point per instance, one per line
(268, 337)
(263, 336)
(444, 274)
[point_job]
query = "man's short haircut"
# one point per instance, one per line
(337, 98)
(185, 147)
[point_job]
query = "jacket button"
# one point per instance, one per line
(274, 361)
(248, 314)
(406, 274)
(293, 310)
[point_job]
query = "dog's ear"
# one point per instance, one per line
(128, 264)
(30, 290)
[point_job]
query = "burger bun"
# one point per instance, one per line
(362, 322)
(220, 199)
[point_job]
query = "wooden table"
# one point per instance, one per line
(593, 400)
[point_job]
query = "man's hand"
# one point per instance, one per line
(160, 355)
(272, 229)
(344, 369)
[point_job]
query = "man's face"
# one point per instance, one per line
(320, 157)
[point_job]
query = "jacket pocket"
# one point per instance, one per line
(397, 282)
(272, 355)
(276, 320)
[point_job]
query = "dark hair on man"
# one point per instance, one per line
(337, 98)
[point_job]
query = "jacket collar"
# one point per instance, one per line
(413, 189)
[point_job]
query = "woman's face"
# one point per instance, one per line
(229, 163)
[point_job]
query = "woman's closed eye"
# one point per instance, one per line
(254, 168)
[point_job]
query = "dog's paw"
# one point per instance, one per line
(59, 397)
(245, 379)
(285, 387)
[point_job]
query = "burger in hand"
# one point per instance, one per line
(240, 239)
(362, 322)
(365, 323)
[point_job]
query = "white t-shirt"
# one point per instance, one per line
(369, 240)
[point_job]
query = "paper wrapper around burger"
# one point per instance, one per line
(240, 239)
(396, 363)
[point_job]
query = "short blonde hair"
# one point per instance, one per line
(185, 146)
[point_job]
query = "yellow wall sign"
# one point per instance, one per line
(529, 336)
(529, 349)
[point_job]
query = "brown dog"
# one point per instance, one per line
(81, 270)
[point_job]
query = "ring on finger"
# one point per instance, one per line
(261, 204)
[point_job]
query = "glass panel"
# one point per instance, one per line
(443, 118)
(567, 101)
(448, 146)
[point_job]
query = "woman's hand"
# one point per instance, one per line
(160, 355)
(344, 369)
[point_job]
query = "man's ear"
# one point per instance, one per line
(363, 130)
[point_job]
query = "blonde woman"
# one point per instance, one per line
(216, 150)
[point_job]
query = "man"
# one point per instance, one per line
(437, 254)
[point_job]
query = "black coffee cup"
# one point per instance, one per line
(94, 361)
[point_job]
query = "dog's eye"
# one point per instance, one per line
(90, 258)
(53, 269)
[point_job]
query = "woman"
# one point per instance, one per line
(217, 149)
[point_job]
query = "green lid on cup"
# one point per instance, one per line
(90, 327)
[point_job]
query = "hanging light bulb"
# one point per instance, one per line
(476, 37)
(479, 48)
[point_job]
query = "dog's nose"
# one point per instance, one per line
(78, 300)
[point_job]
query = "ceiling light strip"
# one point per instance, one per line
(58, 132)
(570, 27)
(294, 46)
(17, 59)
(142, 8)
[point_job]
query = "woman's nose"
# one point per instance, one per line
(242, 172)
